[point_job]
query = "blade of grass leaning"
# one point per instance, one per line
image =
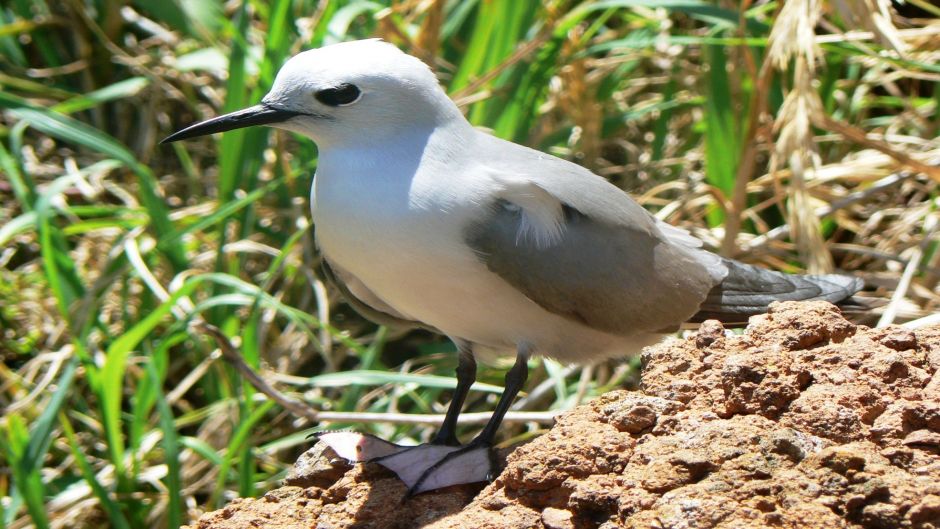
(226, 210)
(31, 218)
(277, 46)
(115, 365)
(241, 436)
(204, 449)
(556, 374)
(27, 481)
(115, 516)
(232, 144)
(456, 17)
(341, 21)
(240, 152)
(145, 397)
(722, 149)
(171, 451)
(10, 47)
(45, 39)
(23, 189)
(119, 90)
(60, 271)
(171, 13)
(27, 454)
(473, 59)
(368, 361)
(41, 432)
(18, 225)
(303, 320)
(517, 119)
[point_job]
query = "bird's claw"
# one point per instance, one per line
(422, 468)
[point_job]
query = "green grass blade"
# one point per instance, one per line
(119, 90)
(233, 143)
(27, 481)
(17, 226)
(115, 516)
(722, 147)
(171, 451)
(10, 47)
(115, 365)
(23, 189)
(239, 439)
(226, 211)
(41, 432)
(339, 24)
(204, 449)
(60, 271)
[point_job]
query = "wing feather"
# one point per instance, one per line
(610, 268)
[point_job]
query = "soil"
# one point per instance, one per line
(805, 420)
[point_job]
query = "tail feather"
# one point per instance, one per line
(748, 290)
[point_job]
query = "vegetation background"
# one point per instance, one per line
(797, 135)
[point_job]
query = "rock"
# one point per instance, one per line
(708, 333)
(553, 518)
(805, 420)
(319, 466)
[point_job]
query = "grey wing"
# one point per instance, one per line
(611, 268)
(364, 301)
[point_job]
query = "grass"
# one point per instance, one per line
(741, 122)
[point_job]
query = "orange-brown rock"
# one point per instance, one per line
(805, 420)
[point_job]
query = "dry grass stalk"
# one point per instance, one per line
(875, 16)
(794, 33)
(230, 354)
(429, 34)
(577, 100)
(793, 37)
(859, 136)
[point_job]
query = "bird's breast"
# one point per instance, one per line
(363, 220)
(389, 232)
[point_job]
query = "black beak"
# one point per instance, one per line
(257, 115)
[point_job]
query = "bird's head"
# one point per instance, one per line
(344, 94)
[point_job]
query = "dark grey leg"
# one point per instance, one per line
(515, 379)
(466, 375)
(477, 460)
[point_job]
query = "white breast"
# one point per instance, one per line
(377, 222)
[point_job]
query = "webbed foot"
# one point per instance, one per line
(422, 468)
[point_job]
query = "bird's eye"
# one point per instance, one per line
(344, 94)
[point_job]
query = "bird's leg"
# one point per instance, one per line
(442, 462)
(466, 375)
(475, 461)
(515, 379)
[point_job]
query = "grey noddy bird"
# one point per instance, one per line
(424, 220)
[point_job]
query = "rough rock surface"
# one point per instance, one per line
(805, 420)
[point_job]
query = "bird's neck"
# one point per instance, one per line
(406, 148)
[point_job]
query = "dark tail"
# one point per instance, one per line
(748, 290)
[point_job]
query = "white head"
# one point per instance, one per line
(351, 93)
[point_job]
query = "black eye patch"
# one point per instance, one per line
(344, 94)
